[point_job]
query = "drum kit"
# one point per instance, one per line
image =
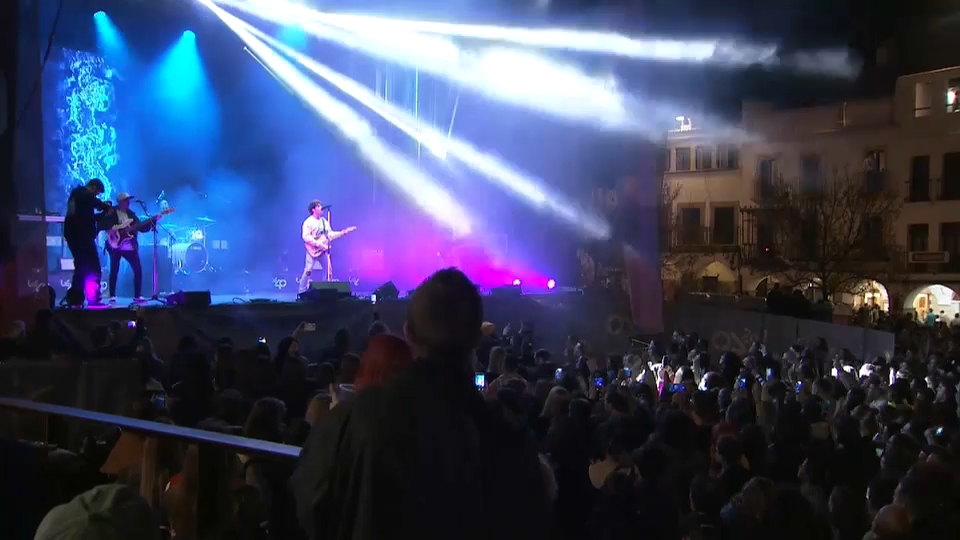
(188, 246)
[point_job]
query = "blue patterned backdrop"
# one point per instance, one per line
(80, 125)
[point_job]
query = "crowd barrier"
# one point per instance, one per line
(735, 330)
(107, 386)
(210, 459)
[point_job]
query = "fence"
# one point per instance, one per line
(210, 455)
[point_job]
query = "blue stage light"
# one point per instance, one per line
(84, 128)
(189, 34)
(99, 15)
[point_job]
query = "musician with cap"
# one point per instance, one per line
(123, 226)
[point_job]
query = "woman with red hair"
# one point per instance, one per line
(386, 357)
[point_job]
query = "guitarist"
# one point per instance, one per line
(127, 248)
(316, 235)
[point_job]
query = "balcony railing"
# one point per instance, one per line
(697, 238)
(932, 189)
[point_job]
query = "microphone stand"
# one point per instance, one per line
(329, 249)
(156, 293)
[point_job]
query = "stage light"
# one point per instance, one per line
(516, 283)
(401, 173)
(551, 284)
(99, 15)
(188, 34)
(443, 145)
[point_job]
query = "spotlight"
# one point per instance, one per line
(99, 15)
(516, 283)
(551, 284)
(189, 34)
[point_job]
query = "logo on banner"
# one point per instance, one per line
(279, 283)
(726, 340)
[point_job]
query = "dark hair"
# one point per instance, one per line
(97, 183)
(706, 495)
(265, 419)
(542, 355)
(512, 363)
(313, 204)
(377, 328)
(349, 366)
(445, 314)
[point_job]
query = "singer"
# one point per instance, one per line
(316, 235)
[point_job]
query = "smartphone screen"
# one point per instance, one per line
(261, 339)
(769, 374)
(628, 372)
(799, 386)
(598, 382)
(131, 324)
(159, 401)
(310, 327)
(675, 388)
(480, 381)
(373, 299)
(741, 383)
(558, 374)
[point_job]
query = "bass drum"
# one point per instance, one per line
(189, 258)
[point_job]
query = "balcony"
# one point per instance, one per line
(932, 189)
(699, 239)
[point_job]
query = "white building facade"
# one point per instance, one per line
(911, 144)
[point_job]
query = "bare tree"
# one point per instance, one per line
(835, 233)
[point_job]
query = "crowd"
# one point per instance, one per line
(453, 428)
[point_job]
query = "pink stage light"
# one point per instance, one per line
(516, 283)
(551, 284)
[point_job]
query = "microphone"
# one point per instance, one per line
(160, 196)
(326, 206)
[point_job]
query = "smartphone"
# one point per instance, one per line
(598, 382)
(159, 401)
(879, 452)
(373, 299)
(131, 324)
(480, 381)
(938, 432)
(834, 373)
(627, 372)
(307, 327)
(261, 339)
(676, 388)
(741, 383)
(558, 374)
(799, 387)
(769, 374)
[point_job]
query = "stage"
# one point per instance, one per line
(247, 318)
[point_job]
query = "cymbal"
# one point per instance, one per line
(205, 219)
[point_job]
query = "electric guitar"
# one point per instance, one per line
(127, 229)
(323, 242)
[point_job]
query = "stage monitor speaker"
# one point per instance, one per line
(387, 291)
(191, 299)
(320, 291)
(506, 291)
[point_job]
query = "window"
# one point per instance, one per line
(921, 100)
(953, 96)
(810, 180)
(950, 183)
(919, 179)
(874, 170)
(704, 158)
(728, 157)
(767, 177)
(724, 226)
(682, 162)
(690, 226)
(873, 234)
(950, 242)
(918, 236)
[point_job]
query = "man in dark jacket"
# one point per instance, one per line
(80, 232)
(421, 456)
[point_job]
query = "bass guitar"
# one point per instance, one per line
(322, 244)
(127, 229)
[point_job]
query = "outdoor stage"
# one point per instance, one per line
(247, 318)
